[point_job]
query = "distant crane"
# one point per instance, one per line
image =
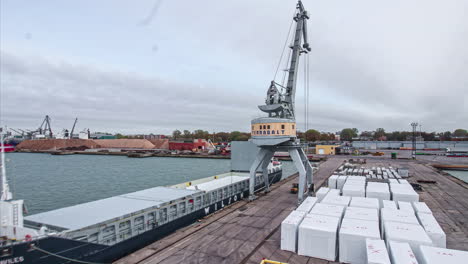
(45, 126)
(73, 128)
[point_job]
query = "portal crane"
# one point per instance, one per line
(45, 126)
(278, 131)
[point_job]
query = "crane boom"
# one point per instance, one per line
(73, 128)
(282, 104)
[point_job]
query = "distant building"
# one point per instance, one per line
(326, 149)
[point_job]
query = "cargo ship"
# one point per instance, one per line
(105, 230)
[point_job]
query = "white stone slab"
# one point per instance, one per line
(317, 237)
(337, 200)
(433, 229)
(321, 193)
(334, 192)
(352, 239)
(328, 210)
(389, 204)
(403, 192)
(395, 181)
(340, 182)
(401, 253)
(421, 207)
(434, 255)
(380, 191)
(332, 181)
(307, 204)
(377, 252)
(365, 202)
(414, 235)
(358, 190)
(398, 216)
(356, 178)
(402, 181)
(289, 230)
(369, 214)
(405, 206)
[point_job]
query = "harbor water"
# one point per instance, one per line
(462, 175)
(48, 182)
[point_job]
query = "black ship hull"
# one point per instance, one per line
(57, 250)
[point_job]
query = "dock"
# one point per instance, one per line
(247, 232)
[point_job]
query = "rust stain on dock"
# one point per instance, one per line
(248, 232)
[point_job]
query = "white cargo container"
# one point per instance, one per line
(328, 210)
(414, 235)
(321, 193)
(434, 255)
(307, 204)
(317, 237)
(365, 202)
(433, 229)
(401, 253)
(389, 204)
(369, 214)
(289, 230)
(421, 207)
(377, 252)
(340, 182)
(352, 239)
(332, 181)
(354, 190)
(405, 206)
(336, 200)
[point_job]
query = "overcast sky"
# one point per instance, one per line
(152, 66)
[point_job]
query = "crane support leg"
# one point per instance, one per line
(299, 163)
(266, 161)
(309, 171)
(253, 171)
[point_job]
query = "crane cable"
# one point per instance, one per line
(284, 47)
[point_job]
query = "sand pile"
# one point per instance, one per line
(124, 143)
(160, 143)
(56, 144)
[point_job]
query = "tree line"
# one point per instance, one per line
(215, 137)
(349, 134)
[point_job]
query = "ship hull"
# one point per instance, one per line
(51, 249)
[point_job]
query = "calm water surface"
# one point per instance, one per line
(462, 175)
(48, 182)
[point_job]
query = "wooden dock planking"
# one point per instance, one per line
(248, 232)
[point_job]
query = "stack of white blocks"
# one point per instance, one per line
(352, 222)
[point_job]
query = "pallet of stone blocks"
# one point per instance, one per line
(375, 173)
(342, 228)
